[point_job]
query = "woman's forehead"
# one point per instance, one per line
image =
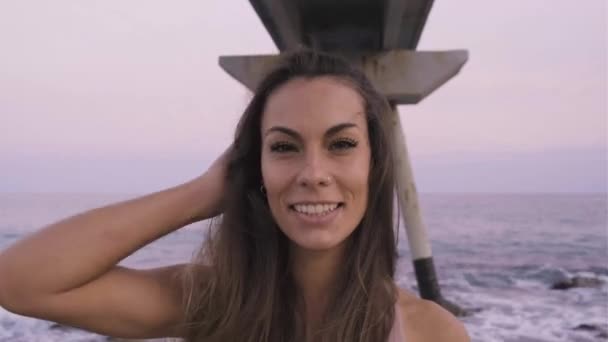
(308, 103)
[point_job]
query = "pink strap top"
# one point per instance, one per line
(397, 334)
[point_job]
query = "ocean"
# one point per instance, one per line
(496, 254)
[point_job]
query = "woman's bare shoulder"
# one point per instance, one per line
(424, 320)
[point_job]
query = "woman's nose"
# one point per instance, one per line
(314, 172)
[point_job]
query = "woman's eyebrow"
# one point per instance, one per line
(339, 127)
(331, 131)
(284, 130)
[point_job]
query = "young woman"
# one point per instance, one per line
(304, 250)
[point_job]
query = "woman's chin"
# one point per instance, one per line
(316, 241)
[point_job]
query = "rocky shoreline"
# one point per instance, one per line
(577, 282)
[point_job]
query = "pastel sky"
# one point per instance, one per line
(127, 96)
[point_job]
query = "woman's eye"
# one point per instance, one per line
(282, 147)
(343, 144)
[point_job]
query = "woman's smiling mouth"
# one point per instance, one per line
(316, 213)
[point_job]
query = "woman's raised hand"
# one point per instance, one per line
(211, 186)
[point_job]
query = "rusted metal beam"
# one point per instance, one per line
(369, 25)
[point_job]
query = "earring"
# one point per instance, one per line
(263, 189)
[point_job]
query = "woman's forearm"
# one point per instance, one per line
(76, 250)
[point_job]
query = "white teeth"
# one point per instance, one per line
(315, 209)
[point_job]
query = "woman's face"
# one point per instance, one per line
(316, 160)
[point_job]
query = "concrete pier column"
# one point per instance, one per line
(407, 194)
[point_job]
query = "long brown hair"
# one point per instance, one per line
(240, 287)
